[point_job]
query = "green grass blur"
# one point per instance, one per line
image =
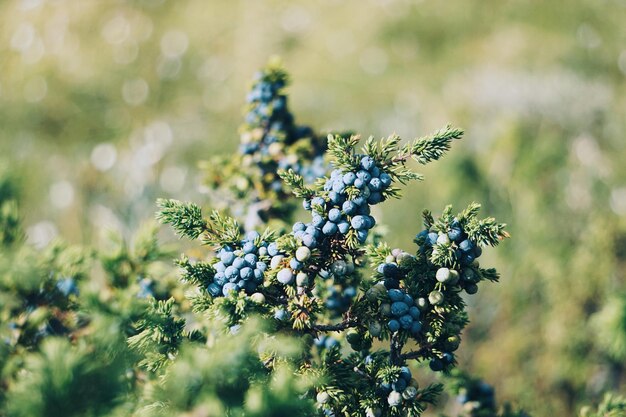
(107, 105)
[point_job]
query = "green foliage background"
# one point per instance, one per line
(152, 87)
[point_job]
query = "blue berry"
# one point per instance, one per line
(455, 234)
(348, 178)
(231, 272)
(408, 300)
(349, 207)
(68, 286)
(375, 198)
(318, 201)
(350, 292)
(396, 295)
(306, 204)
(331, 342)
(398, 308)
(219, 267)
(228, 288)
(436, 365)
(361, 235)
(214, 289)
(338, 186)
(336, 198)
(359, 222)
(367, 163)
(298, 226)
(443, 275)
(252, 235)
(272, 249)
(329, 229)
(295, 264)
(385, 179)
(443, 239)
(466, 245)
(343, 227)
(318, 221)
(416, 327)
(375, 184)
(250, 259)
(258, 276)
(309, 241)
(227, 257)
(249, 247)
(388, 269)
(246, 273)
(471, 288)
(394, 325)
(238, 263)
(432, 238)
(220, 278)
(406, 321)
(414, 312)
(285, 276)
(399, 385)
(314, 231)
(281, 315)
(359, 183)
(364, 176)
(334, 215)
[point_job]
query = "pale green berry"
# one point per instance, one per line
(385, 309)
(435, 298)
(409, 393)
(375, 328)
(258, 298)
(303, 253)
(302, 279)
(323, 397)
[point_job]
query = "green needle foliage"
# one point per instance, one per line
(275, 317)
(315, 283)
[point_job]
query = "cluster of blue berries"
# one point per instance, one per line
(476, 397)
(268, 111)
(465, 250)
(326, 342)
(67, 286)
(242, 268)
(402, 311)
(342, 212)
(290, 268)
(402, 389)
(438, 364)
(270, 130)
(146, 288)
(310, 172)
(339, 302)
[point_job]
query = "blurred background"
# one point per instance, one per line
(107, 105)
